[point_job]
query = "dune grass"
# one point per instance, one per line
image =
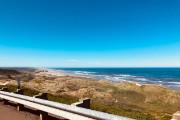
(112, 109)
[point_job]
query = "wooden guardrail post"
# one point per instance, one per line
(41, 96)
(4, 89)
(19, 91)
(43, 115)
(84, 103)
(5, 102)
(20, 107)
(176, 116)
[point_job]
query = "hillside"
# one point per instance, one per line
(123, 98)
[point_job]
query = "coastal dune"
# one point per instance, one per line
(151, 100)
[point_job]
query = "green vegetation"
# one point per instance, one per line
(62, 99)
(112, 109)
(27, 91)
(118, 110)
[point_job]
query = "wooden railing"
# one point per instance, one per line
(58, 109)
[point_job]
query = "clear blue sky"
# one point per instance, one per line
(90, 33)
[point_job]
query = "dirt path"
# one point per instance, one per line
(8, 112)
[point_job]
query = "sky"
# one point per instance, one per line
(90, 33)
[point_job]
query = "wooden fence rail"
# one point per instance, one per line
(58, 109)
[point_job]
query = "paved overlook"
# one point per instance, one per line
(8, 112)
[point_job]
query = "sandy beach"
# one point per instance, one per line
(47, 72)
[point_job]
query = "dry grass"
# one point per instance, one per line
(144, 102)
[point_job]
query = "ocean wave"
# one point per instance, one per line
(142, 79)
(124, 75)
(84, 72)
(176, 83)
(114, 77)
(146, 79)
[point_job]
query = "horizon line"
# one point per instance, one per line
(91, 67)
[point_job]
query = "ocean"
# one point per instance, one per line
(169, 77)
